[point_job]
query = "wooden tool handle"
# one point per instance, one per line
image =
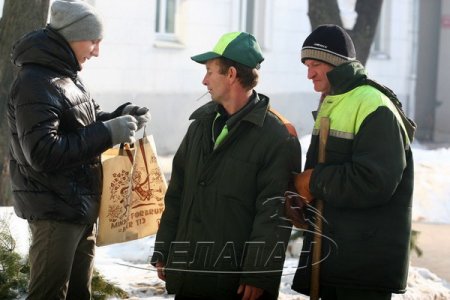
(315, 267)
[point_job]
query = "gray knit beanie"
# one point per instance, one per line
(76, 20)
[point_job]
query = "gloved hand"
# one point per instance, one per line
(294, 209)
(301, 182)
(122, 129)
(142, 114)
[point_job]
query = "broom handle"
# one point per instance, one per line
(315, 272)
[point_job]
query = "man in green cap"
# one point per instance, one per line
(223, 233)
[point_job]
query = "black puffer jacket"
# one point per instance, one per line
(55, 136)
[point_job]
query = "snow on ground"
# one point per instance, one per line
(118, 264)
(127, 264)
(431, 185)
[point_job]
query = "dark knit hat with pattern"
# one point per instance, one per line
(330, 44)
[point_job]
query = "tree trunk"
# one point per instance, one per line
(362, 34)
(365, 27)
(323, 12)
(19, 17)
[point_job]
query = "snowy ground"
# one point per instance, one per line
(118, 263)
(127, 264)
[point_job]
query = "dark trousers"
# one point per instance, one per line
(178, 297)
(264, 296)
(61, 260)
(333, 293)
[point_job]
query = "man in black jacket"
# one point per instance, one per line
(57, 134)
(366, 181)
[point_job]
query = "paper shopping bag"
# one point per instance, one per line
(133, 193)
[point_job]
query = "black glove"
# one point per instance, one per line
(294, 208)
(141, 113)
(122, 129)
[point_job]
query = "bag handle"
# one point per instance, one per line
(141, 146)
(126, 147)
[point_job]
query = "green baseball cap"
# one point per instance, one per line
(240, 47)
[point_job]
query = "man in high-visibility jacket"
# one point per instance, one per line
(366, 182)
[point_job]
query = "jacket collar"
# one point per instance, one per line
(255, 116)
(346, 77)
(46, 47)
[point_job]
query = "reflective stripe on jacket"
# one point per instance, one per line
(366, 184)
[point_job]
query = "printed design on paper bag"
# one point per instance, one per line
(119, 192)
(142, 192)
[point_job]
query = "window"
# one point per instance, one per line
(255, 19)
(165, 21)
(247, 19)
(381, 44)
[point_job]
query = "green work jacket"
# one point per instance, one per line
(223, 223)
(366, 185)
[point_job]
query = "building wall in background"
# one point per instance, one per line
(442, 125)
(137, 64)
(427, 66)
